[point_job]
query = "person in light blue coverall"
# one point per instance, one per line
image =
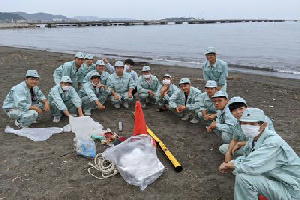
(72, 69)
(269, 167)
(109, 68)
(64, 99)
(121, 85)
(207, 110)
(86, 67)
(26, 101)
(225, 120)
(128, 65)
(100, 68)
(147, 86)
(237, 105)
(94, 94)
(215, 69)
(185, 101)
(164, 92)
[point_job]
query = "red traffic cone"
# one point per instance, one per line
(261, 197)
(139, 122)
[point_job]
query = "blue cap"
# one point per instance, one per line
(253, 115)
(32, 73)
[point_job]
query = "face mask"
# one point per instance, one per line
(65, 88)
(250, 130)
(147, 76)
(166, 82)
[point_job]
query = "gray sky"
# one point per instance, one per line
(156, 9)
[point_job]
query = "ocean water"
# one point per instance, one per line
(264, 48)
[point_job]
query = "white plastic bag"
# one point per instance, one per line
(35, 134)
(84, 127)
(136, 160)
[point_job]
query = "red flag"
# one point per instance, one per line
(261, 197)
(139, 122)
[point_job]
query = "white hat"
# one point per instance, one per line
(167, 75)
(184, 80)
(66, 79)
(100, 62)
(32, 73)
(79, 55)
(253, 115)
(146, 69)
(89, 56)
(119, 64)
(93, 74)
(211, 84)
(210, 50)
(220, 94)
(237, 100)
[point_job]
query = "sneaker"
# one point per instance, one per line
(117, 105)
(87, 113)
(185, 117)
(194, 121)
(56, 119)
(126, 105)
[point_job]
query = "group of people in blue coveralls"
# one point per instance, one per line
(262, 162)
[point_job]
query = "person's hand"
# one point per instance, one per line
(130, 94)
(206, 117)
(225, 167)
(80, 114)
(228, 156)
(105, 60)
(211, 116)
(213, 125)
(180, 108)
(101, 106)
(46, 106)
(237, 146)
(37, 109)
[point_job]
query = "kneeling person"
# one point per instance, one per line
(164, 93)
(185, 101)
(147, 86)
(26, 101)
(64, 100)
(93, 94)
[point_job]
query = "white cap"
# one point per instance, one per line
(237, 100)
(89, 56)
(210, 50)
(167, 75)
(119, 64)
(32, 73)
(146, 69)
(184, 80)
(253, 115)
(100, 62)
(93, 74)
(79, 55)
(211, 84)
(66, 79)
(220, 93)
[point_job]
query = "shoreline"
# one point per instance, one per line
(233, 68)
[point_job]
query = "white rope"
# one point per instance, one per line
(105, 167)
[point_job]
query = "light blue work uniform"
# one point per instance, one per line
(121, 85)
(269, 167)
(63, 100)
(206, 104)
(90, 94)
(192, 101)
(164, 100)
(69, 69)
(217, 72)
(144, 86)
(84, 70)
(103, 76)
(18, 101)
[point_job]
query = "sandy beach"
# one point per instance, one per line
(52, 170)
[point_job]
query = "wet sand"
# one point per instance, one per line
(51, 170)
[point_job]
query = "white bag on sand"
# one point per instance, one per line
(136, 160)
(35, 134)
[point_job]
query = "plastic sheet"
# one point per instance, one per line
(136, 160)
(35, 134)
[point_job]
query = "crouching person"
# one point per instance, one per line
(225, 120)
(26, 101)
(93, 94)
(147, 86)
(269, 167)
(186, 100)
(121, 85)
(64, 100)
(164, 92)
(207, 109)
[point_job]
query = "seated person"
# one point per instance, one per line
(269, 166)
(100, 68)
(147, 86)
(121, 85)
(26, 101)
(185, 101)
(207, 109)
(64, 100)
(225, 120)
(164, 92)
(128, 68)
(93, 94)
